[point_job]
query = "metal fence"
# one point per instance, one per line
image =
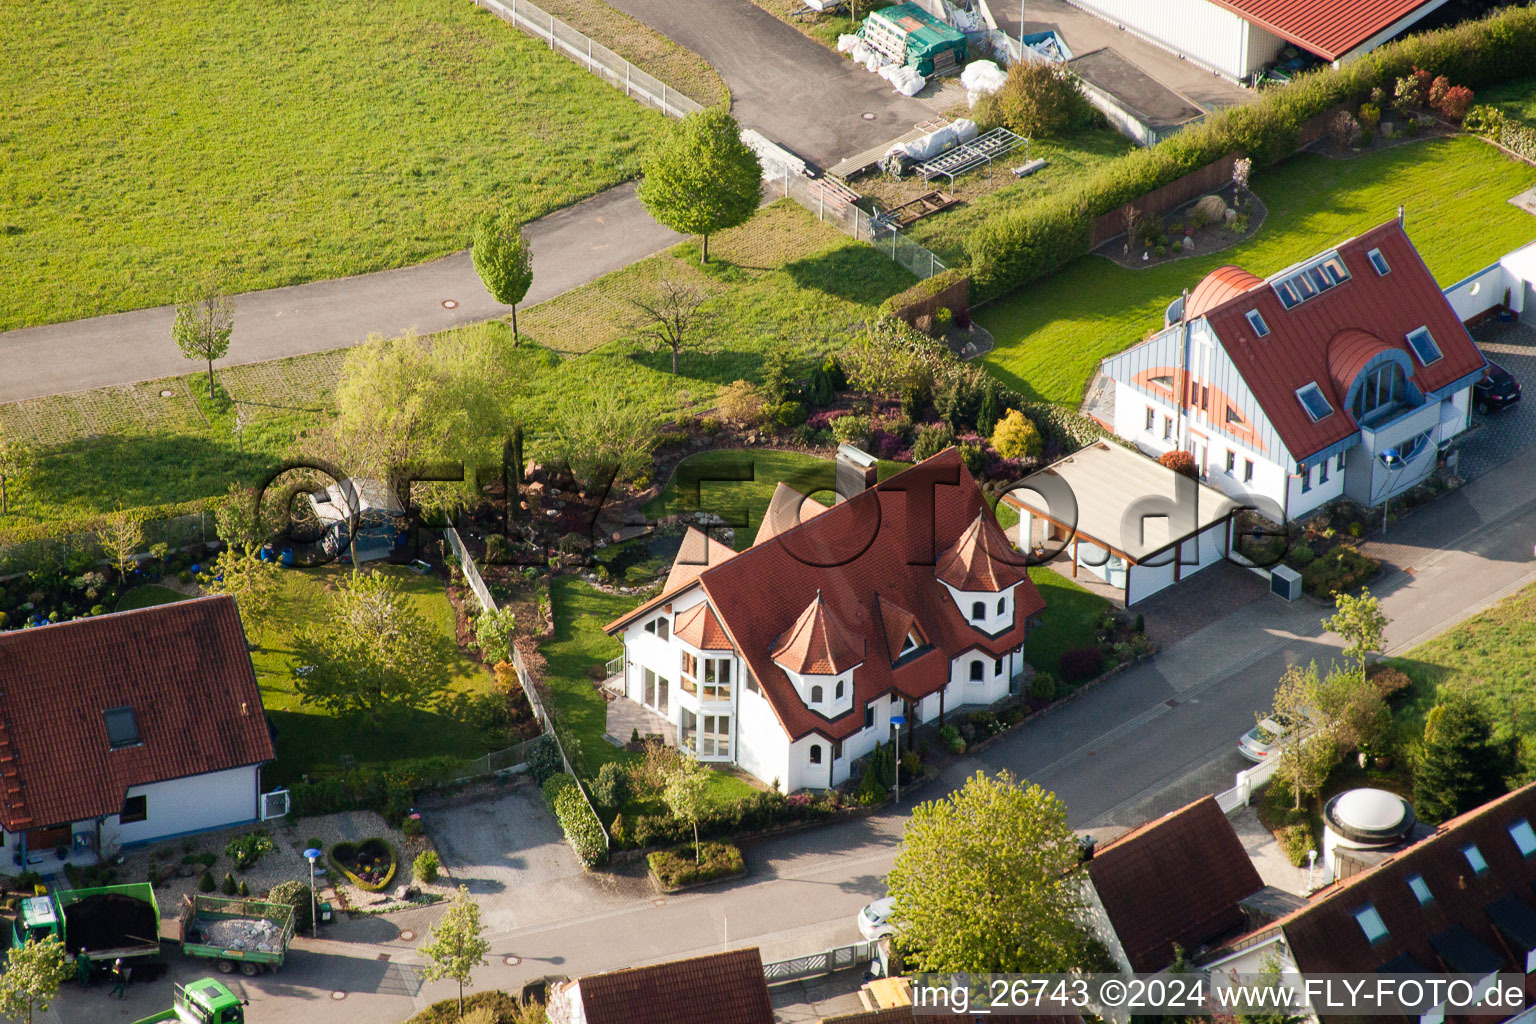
(548, 723)
(497, 762)
(471, 571)
(824, 962)
(592, 55)
(177, 532)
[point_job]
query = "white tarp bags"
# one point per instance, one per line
(965, 128)
(931, 145)
(846, 43)
(904, 79)
(982, 78)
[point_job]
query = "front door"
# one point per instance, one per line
(1197, 449)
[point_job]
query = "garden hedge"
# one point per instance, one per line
(582, 829)
(676, 868)
(1021, 245)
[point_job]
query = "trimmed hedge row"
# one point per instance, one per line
(582, 829)
(676, 868)
(1019, 246)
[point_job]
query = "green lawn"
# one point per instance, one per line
(1052, 334)
(309, 738)
(581, 611)
(780, 281)
(147, 596)
(723, 493)
(1487, 657)
(1070, 620)
(1516, 99)
(144, 143)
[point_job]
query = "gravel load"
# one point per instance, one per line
(259, 936)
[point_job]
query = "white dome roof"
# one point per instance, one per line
(1372, 810)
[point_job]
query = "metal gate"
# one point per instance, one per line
(274, 804)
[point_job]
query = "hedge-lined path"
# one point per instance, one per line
(571, 247)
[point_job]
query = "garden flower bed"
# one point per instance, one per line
(369, 865)
(672, 870)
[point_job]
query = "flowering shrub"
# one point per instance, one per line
(1081, 664)
(1456, 102)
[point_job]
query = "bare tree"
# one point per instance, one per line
(672, 316)
(1129, 216)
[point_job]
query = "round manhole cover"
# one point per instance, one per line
(167, 393)
(511, 961)
(450, 304)
(407, 935)
(868, 116)
(338, 996)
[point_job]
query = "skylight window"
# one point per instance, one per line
(1475, 858)
(1523, 836)
(1379, 262)
(1313, 400)
(122, 727)
(1311, 280)
(1423, 345)
(1256, 320)
(1371, 923)
(1420, 889)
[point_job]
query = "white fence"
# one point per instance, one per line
(471, 572)
(824, 962)
(1245, 783)
(594, 56)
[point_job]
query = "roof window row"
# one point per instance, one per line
(1311, 280)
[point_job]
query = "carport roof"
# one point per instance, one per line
(1328, 28)
(1106, 480)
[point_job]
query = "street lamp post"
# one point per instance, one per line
(313, 855)
(898, 721)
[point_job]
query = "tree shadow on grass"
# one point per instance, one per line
(106, 473)
(854, 273)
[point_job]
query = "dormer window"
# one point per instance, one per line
(978, 611)
(815, 695)
(122, 728)
(1424, 345)
(660, 627)
(1314, 402)
(1002, 603)
(1381, 392)
(839, 692)
(1256, 321)
(910, 644)
(1379, 262)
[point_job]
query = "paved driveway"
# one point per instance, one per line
(1503, 435)
(791, 88)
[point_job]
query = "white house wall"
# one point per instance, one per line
(1477, 293)
(193, 804)
(762, 746)
(1195, 29)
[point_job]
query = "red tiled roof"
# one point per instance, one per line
(698, 552)
(1324, 935)
(982, 559)
(881, 544)
(184, 670)
(787, 508)
(1296, 351)
(1174, 880)
(1218, 286)
(1329, 28)
(723, 988)
(699, 626)
(898, 624)
(818, 644)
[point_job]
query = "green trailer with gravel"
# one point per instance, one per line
(249, 936)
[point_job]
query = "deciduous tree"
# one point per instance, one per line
(686, 795)
(33, 974)
(237, 518)
(600, 433)
(504, 260)
(203, 326)
(242, 574)
(672, 316)
(985, 880)
(457, 945)
(1361, 622)
(1041, 98)
(493, 634)
(703, 178)
(1460, 765)
(16, 461)
(369, 652)
(121, 536)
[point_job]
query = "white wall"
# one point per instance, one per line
(996, 618)
(762, 747)
(1200, 31)
(961, 690)
(1481, 291)
(192, 804)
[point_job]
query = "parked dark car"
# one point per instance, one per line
(1497, 390)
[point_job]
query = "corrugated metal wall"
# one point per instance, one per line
(1200, 31)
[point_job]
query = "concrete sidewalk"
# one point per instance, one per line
(570, 247)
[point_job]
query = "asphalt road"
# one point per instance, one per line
(570, 247)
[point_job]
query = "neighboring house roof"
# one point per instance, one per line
(1298, 348)
(1459, 928)
(1329, 28)
(700, 627)
(818, 644)
(1111, 484)
(182, 668)
(1178, 879)
(898, 624)
(880, 545)
(722, 988)
(698, 552)
(982, 559)
(787, 509)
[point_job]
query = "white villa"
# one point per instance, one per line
(791, 658)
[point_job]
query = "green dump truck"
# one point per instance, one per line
(105, 923)
(203, 1002)
(250, 936)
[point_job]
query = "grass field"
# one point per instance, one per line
(824, 28)
(1052, 334)
(1516, 99)
(144, 144)
(1488, 658)
(147, 596)
(781, 280)
(1070, 620)
(579, 642)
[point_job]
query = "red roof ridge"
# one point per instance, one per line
(700, 627)
(982, 559)
(717, 988)
(818, 643)
(897, 623)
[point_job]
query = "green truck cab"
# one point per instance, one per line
(108, 922)
(206, 1001)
